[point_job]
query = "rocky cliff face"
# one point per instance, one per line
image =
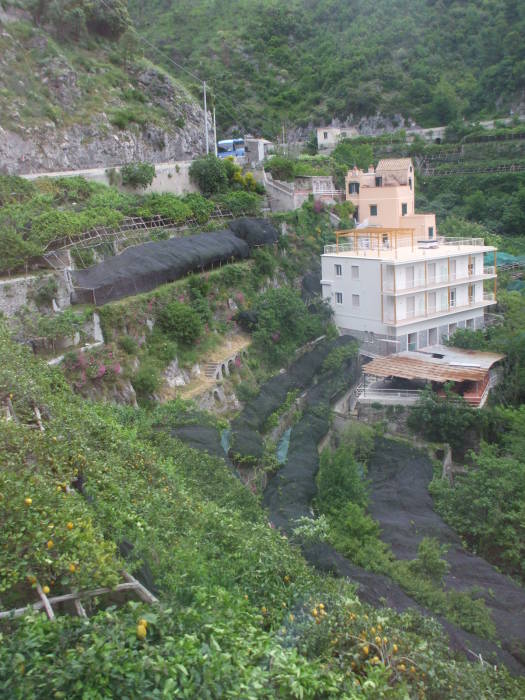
(63, 108)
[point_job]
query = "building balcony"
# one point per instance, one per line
(390, 319)
(439, 281)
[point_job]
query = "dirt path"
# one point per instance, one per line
(400, 502)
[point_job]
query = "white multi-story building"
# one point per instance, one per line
(399, 291)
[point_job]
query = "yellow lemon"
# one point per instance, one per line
(395, 648)
(70, 526)
(365, 650)
(28, 501)
(72, 568)
(141, 632)
(50, 544)
(46, 589)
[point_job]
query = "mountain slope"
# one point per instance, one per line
(310, 61)
(68, 103)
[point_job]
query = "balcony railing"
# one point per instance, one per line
(462, 241)
(430, 313)
(444, 279)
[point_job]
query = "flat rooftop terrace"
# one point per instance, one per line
(400, 245)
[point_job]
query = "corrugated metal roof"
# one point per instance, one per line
(391, 164)
(409, 367)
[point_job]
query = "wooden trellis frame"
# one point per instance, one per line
(45, 603)
(131, 231)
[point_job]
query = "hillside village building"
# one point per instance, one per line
(392, 281)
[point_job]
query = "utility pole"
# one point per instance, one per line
(206, 120)
(283, 139)
(214, 130)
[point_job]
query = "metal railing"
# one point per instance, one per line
(462, 241)
(411, 315)
(364, 245)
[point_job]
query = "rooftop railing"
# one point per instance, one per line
(462, 241)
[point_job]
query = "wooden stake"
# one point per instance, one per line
(45, 602)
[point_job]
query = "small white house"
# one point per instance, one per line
(329, 136)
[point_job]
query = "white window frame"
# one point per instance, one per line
(338, 270)
(356, 301)
(339, 297)
(355, 272)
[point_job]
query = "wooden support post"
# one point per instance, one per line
(45, 602)
(12, 410)
(38, 417)
(142, 591)
(496, 273)
(382, 299)
(79, 608)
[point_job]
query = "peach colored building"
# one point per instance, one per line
(384, 197)
(392, 281)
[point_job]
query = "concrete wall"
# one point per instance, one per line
(169, 177)
(366, 316)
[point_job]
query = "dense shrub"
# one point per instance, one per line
(281, 168)
(209, 174)
(166, 205)
(284, 323)
(146, 380)
(180, 322)
(137, 174)
(443, 419)
(241, 203)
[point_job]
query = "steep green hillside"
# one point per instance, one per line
(304, 62)
(76, 92)
(240, 613)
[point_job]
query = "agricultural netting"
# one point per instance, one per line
(142, 268)
(504, 259)
(401, 477)
(246, 438)
(290, 492)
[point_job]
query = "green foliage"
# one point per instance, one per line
(45, 291)
(166, 205)
(443, 419)
(340, 480)
(146, 380)
(485, 505)
(181, 322)
(339, 356)
(128, 344)
(264, 263)
(185, 515)
(137, 174)
(14, 189)
(241, 203)
(429, 562)
(209, 174)
(430, 61)
(281, 168)
(350, 153)
(284, 324)
(71, 18)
